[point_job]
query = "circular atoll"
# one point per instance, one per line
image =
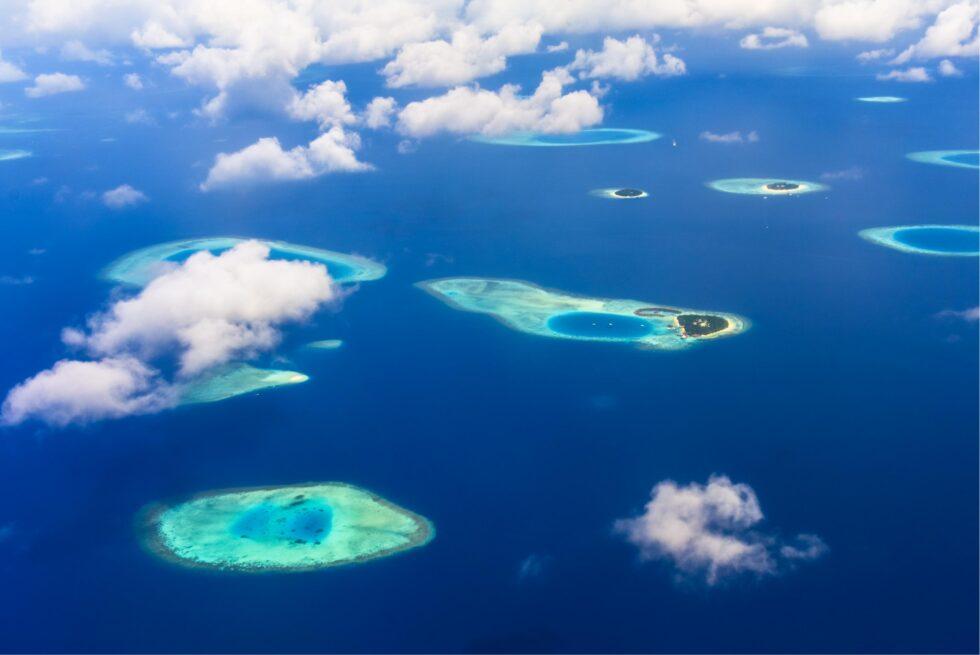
(619, 194)
(140, 266)
(593, 137)
(942, 240)
(760, 186)
(957, 158)
(883, 100)
(10, 155)
(291, 528)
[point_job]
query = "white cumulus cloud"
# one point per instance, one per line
(75, 50)
(123, 196)
(466, 110)
(947, 68)
(709, 531)
(379, 111)
(9, 72)
(773, 38)
(48, 84)
(133, 81)
(266, 160)
(626, 60)
(954, 34)
(914, 74)
(326, 103)
(730, 137)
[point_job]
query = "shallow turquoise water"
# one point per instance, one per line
(939, 239)
(590, 137)
(596, 325)
(968, 158)
(337, 270)
(305, 520)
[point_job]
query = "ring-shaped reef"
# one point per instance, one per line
(234, 380)
(140, 266)
(626, 193)
(592, 137)
(10, 155)
(535, 310)
(763, 186)
(883, 100)
(942, 240)
(292, 528)
(957, 158)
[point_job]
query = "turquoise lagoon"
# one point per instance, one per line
(594, 137)
(943, 240)
(235, 380)
(884, 100)
(763, 186)
(139, 267)
(291, 528)
(957, 158)
(535, 310)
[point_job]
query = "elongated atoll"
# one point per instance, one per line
(235, 380)
(140, 266)
(886, 100)
(625, 193)
(325, 344)
(942, 240)
(762, 186)
(10, 155)
(278, 529)
(535, 310)
(956, 158)
(592, 137)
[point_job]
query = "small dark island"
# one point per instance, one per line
(782, 186)
(628, 193)
(701, 325)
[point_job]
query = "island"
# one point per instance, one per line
(325, 344)
(619, 194)
(139, 267)
(529, 308)
(592, 137)
(281, 529)
(765, 186)
(234, 380)
(941, 240)
(955, 158)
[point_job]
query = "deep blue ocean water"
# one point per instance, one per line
(941, 240)
(849, 407)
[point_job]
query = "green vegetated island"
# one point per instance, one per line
(285, 528)
(535, 310)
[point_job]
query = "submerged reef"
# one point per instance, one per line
(885, 100)
(235, 380)
(942, 240)
(9, 155)
(139, 267)
(291, 528)
(619, 194)
(325, 344)
(766, 187)
(529, 308)
(594, 137)
(957, 158)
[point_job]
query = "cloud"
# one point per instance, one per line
(531, 566)
(557, 47)
(379, 111)
(467, 56)
(708, 531)
(869, 56)
(16, 281)
(948, 69)
(208, 311)
(77, 51)
(850, 174)
(139, 117)
(48, 84)
(773, 38)
(916, 74)
(954, 34)
(970, 315)
(9, 72)
(869, 20)
(326, 103)
(265, 160)
(466, 110)
(730, 137)
(123, 196)
(133, 81)
(626, 60)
